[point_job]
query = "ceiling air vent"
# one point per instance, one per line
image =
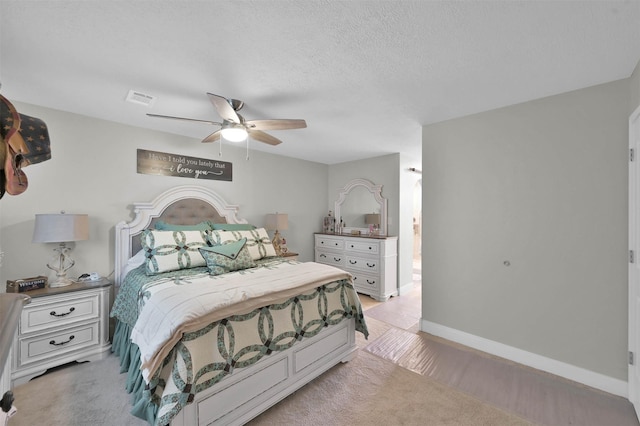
(140, 98)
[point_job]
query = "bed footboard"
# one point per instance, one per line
(250, 391)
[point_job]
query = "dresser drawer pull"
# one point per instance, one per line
(371, 282)
(337, 259)
(53, 313)
(353, 262)
(371, 265)
(323, 255)
(53, 342)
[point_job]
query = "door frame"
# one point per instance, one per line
(634, 261)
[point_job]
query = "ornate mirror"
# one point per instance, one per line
(360, 204)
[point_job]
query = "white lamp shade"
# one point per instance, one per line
(279, 221)
(60, 228)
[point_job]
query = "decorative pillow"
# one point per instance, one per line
(172, 250)
(164, 226)
(232, 226)
(227, 257)
(258, 241)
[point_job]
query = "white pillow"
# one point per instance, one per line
(172, 250)
(258, 241)
(137, 260)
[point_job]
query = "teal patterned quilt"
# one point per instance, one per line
(204, 357)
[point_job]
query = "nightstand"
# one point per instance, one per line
(59, 326)
(290, 256)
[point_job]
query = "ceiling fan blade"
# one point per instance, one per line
(213, 137)
(185, 119)
(224, 108)
(264, 137)
(283, 124)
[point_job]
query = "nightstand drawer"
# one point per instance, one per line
(57, 312)
(36, 348)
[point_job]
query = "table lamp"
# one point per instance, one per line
(278, 222)
(373, 220)
(61, 228)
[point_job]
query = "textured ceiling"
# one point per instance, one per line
(366, 75)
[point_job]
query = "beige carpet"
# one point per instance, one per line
(366, 391)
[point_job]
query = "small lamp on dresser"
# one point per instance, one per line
(278, 222)
(61, 228)
(373, 220)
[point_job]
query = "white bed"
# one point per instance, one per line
(247, 391)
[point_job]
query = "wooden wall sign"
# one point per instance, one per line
(165, 164)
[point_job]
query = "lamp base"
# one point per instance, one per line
(60, 282)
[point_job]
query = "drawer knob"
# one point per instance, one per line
(53, 313)
(53, 342)
(337, 259)
(371, 282)
(371, 265)
(353, 262)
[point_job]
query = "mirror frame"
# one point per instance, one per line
(376, 191)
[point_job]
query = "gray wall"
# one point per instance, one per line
(542, 185)
(93, 171)
(634, 82)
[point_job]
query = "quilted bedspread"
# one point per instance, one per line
(242, 317)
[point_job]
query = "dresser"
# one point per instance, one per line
(371, 260)
(59, 326)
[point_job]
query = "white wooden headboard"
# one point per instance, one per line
(181, 205)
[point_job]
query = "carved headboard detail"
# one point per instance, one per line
(181, 205)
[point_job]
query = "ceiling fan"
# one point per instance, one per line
(235, 128)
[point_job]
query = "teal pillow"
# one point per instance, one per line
(232, 226)
(229, 257)
(164, 226)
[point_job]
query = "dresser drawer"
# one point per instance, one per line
(362, 263)
(36, 348)
(362, 247)
(56, 312)
(366, 283)
(329, 243)
(329, 258)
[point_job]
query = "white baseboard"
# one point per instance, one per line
(568, 371)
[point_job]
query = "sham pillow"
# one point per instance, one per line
(172, 250)
(258, 242)
(227, 257)
(232, 226)
(164, 226)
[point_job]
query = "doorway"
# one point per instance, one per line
(417, 232)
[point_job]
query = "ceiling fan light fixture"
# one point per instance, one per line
(234, 134)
